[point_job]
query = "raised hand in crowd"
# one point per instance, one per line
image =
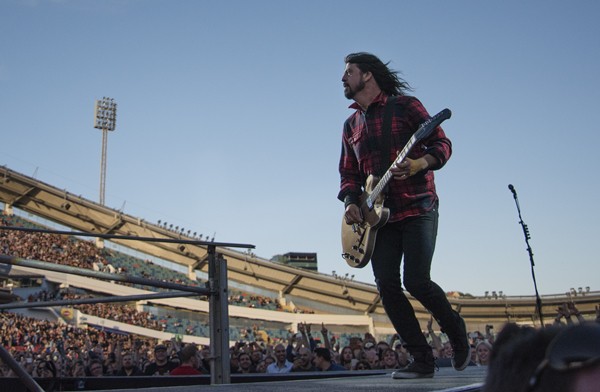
(436, 342)
(326, 339)
(566, 311)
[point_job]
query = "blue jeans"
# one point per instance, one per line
(414, 239)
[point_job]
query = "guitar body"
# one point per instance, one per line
(358, 239)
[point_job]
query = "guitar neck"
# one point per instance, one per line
(424, 130)
(388, 174)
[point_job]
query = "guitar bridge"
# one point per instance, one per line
(348, 256)
(359, 249)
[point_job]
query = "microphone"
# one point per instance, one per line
(512, 189)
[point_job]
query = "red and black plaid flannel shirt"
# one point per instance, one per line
(361, 155)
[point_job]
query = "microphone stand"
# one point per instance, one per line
(538, 300)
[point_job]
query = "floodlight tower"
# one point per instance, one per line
(106, 120)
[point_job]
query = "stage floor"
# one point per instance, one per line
(446, 379)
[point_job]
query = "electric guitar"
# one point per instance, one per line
(358, 239)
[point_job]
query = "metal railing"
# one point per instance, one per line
(216, 290)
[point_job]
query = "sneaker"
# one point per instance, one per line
(461, 348)
(422, 366)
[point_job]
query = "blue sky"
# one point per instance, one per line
(230, 116)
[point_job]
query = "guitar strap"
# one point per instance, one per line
(386, 134)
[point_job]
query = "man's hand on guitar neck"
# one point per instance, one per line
(353, 214)
(409, 167)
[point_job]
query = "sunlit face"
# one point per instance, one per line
(447, 351)
(483, 354)
(347, 354)
(304, 355)
(256, 356)
(280, 353)
(389, 358)
(352, 80)
(403, 358)
(372, 358)
(245, 361)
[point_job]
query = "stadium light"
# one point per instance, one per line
(105, 118)
(105, 114)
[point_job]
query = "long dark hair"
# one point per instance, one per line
(387, 80)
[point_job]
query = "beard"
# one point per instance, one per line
(350, 93)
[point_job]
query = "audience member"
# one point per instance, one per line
(161, 365)
(558, 358)
(389, 359)
(304, 361)
(370, 355)
(78, 369)
(46, 369)
(436, 342)
(483, 350)
(189, 362)
(95, 368)
(362, 365)
(322, 360)
(261, 367)
(571, 361)
(245, 364)
(257, 354)
(403, 355)
(204, 356)
(347, 359)
(128, 367)
(282, 365)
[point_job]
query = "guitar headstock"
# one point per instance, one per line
(428, 126)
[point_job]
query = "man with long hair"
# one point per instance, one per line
(411, 197)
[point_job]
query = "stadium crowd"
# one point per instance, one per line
(45, 348)
(50, 349)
